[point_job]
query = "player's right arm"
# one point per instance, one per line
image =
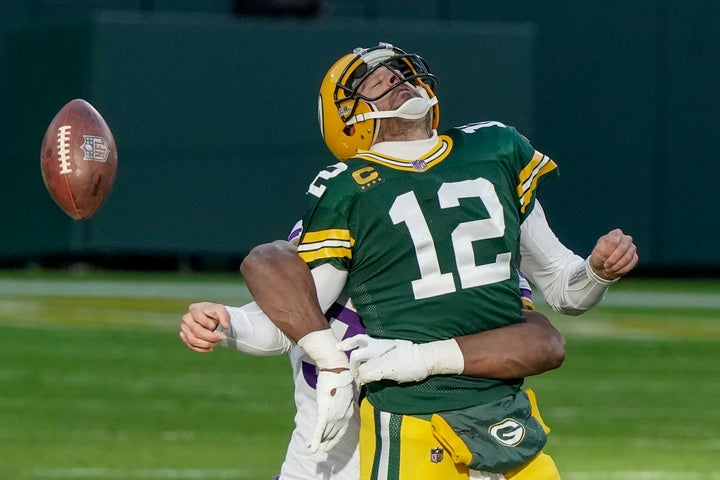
(283, 287)
(293, 300)
(279, 280)
(245, 329)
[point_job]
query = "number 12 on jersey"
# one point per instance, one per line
(432, 282)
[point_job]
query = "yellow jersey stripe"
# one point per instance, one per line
(331, 234)
(538, 166)
(327, 252)
(308, 247)
(330, 243)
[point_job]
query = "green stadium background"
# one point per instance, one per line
(213, 106)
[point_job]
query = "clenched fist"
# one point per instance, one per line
(614, 255)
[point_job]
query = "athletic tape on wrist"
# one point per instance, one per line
(320, 345)
(443, 357)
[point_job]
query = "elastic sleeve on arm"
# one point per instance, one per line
(251, 331)
(565, 279)
(329, 283)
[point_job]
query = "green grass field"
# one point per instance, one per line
(95, 384)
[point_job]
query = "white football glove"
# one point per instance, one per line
(335, 392)
(400, 360)
(335, 407)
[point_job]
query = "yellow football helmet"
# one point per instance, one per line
(348, 120)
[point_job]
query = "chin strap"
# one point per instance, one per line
(413, 109)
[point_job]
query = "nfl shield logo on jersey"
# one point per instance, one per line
(436, 455)
(419, 165)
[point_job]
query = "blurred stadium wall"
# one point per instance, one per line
(213, 107)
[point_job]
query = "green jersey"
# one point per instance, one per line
(430, 247)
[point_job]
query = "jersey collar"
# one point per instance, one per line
(413, 156)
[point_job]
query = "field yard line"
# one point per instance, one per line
(109, 288)
(158, 473)
(661, 299)
(160, 289)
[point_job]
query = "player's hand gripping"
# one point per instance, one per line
(335, 389)
(614, 255)
(336, 403)
(197, 329)
(373, 359)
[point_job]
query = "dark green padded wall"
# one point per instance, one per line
(215, 114)
(216, 118)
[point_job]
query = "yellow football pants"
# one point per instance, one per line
(403, 447)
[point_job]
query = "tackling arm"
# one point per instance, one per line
(252, 332)
(281, 284)
(284, 289)
(246, 329)
(513, 351)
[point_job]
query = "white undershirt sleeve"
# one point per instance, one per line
(329, 283)
(251, 331)
(565, 279)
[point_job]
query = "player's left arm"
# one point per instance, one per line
(283, 284)
(514, 351)
(570, 284)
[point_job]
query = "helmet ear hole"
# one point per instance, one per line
(349, 130)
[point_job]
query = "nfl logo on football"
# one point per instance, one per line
(436, 455)
(95, 148)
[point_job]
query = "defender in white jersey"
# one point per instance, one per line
(340, 463)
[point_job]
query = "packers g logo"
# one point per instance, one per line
(509, 432)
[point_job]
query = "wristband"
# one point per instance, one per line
(442, 357)
(320, 346)
(594, 276)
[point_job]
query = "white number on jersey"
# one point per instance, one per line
(332, 171)
(432, 282)
(471, 127)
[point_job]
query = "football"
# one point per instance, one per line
(78, 159)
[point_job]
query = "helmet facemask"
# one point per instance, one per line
(349, 121)
(409, 69)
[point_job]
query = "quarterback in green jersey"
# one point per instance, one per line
(425, 232)
(429, 247)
